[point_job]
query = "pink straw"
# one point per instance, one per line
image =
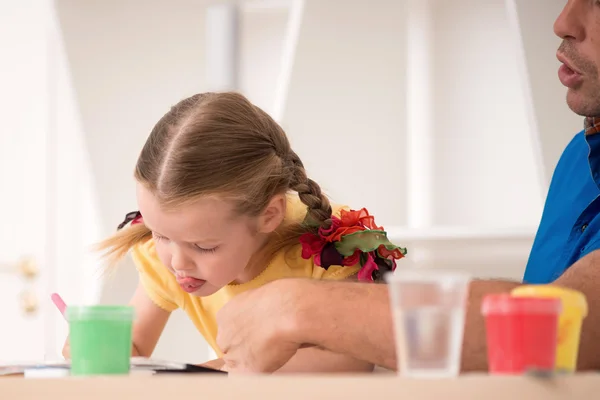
(59, 303)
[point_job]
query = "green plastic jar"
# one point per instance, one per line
(100, 339)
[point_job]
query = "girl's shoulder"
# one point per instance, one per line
(146, 260)
(289, 262)
(145, 249)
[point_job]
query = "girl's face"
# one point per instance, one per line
(204, 243)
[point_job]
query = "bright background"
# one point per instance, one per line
(447, 118)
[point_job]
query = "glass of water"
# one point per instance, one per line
(428, 309)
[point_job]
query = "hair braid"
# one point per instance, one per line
(309, 192)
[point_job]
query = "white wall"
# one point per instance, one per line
(351, 82)
(345, 113)
(485, 172)
(262, 38)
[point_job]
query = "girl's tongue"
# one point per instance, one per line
(190, 284)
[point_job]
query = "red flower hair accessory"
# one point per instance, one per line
(353, 239)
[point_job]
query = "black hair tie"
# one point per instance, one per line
(130, 217)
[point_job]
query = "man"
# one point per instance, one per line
(262, 329)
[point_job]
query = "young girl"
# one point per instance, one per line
(226, 206)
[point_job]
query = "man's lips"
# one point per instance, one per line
(568, 75)
(561, 57)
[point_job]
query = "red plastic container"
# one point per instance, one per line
(521, 333)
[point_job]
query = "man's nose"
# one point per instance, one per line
(570, 23)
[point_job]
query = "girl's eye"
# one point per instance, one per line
(158, 237)
(203, 250)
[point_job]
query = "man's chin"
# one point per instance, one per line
(580, 104)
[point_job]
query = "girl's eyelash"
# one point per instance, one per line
(203, 250)
(158, 238)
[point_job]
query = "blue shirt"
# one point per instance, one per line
(570, 225)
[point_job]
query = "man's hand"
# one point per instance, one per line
(257, 329)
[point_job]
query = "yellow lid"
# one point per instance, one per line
(570, 298)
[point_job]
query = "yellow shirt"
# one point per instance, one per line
(162, 288)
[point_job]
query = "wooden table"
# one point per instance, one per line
(172, 387)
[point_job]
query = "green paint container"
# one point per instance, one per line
(100, 339)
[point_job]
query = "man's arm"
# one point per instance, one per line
(584, 276)
(362, 325)
(356, 321)
(474, 351)
(258, 334)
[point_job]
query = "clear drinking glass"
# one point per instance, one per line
(428, 309)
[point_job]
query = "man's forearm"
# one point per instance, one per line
(474, 351)
(348, 318)
(355, 319)
(584, 276)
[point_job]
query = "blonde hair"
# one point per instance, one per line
(221, 144)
